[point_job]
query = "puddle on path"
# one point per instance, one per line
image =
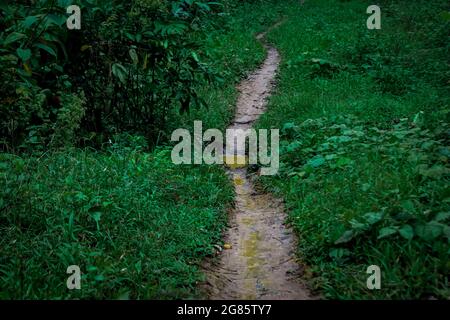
(260, 264)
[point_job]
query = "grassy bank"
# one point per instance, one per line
(136, 224)
(364, 144)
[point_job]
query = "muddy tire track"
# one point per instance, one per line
(261, 262)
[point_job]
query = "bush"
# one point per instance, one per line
(132, 61)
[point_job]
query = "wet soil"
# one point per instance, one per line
(258, 260)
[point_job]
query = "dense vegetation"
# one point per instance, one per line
(86, 177)
(365, 144)
(85, 117)
(128, 66)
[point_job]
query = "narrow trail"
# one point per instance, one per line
(261, 262)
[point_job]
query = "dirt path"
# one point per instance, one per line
(261, 261)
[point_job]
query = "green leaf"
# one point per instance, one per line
(408, 205)
(58, 20)
(96, 216)
(429, 231)
(194, 55)
(293, 146)
(119, 71)
(386, 232)
(13, 37)
(91, 268)
(134, 56)
(287, 126)
(46, 48)
(316, 161)
(358, 226)
(406, 231)
(373, 217)
(24, 54)
(125, 295)
(345, 237)
(338, 253)
(442, 216)
(29, 21)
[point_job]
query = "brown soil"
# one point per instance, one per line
(260, 260)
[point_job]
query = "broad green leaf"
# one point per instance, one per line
(47, 49)
(358, 226)
(293, 146)
(29, 21)
(408, 205)
(406, 231)
(386, 232)
(119, 71)
(345, 237)
(316, 161)
(194, 55)
(373, 217)
(287, 126)
(338, 253)
(96, 216)
(134, 56)
(124, 295)
(85, 47)
(53, 19)
(24, 54)
(429, 231)
(13, 37)
(442, 216)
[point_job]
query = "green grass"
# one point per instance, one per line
(234, 52)
(364, 168)
(364, 145)
(137, 225)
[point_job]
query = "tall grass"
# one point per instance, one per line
(136, 224)
(364, 145)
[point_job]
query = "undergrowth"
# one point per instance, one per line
(365, 145)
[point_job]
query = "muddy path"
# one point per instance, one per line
(259, 260)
